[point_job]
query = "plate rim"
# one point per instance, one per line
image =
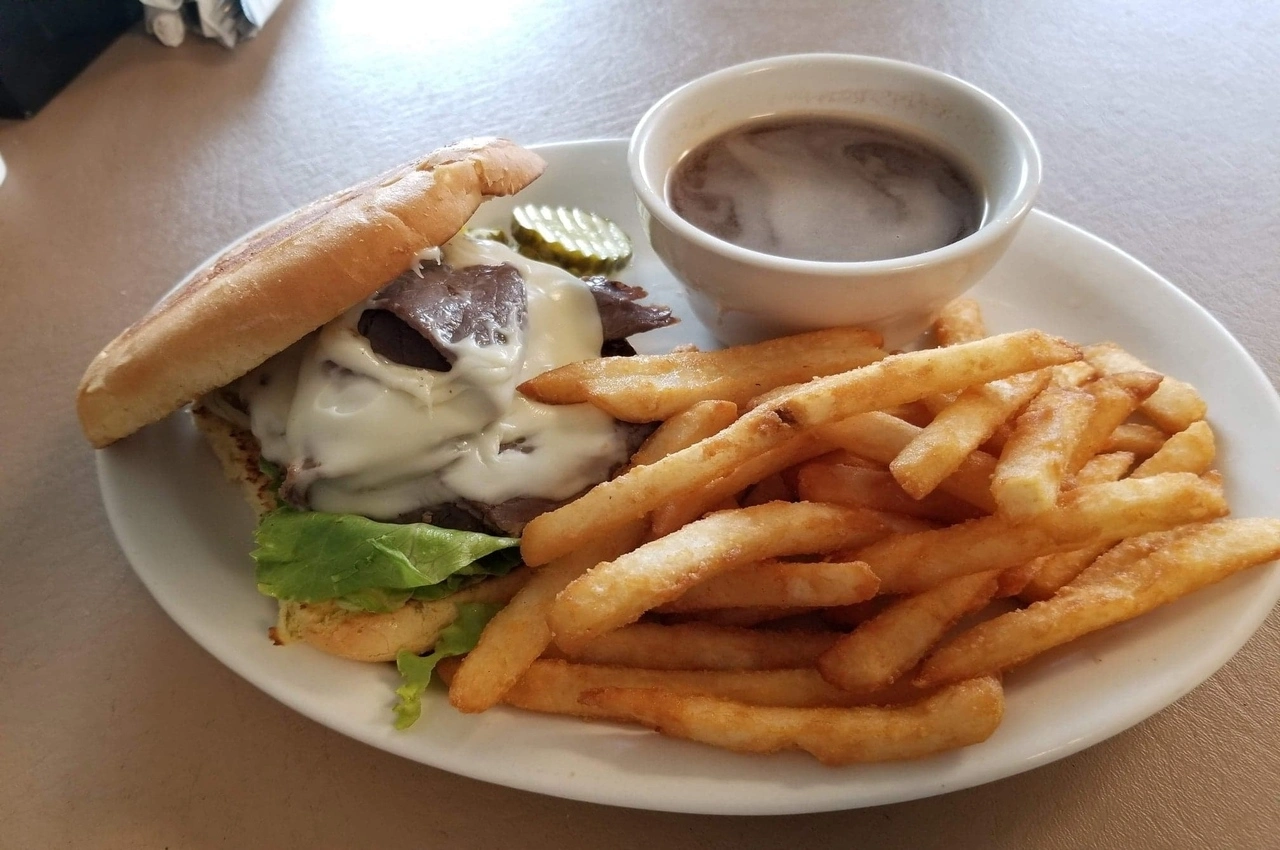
(1242, 629)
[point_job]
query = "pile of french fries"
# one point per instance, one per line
(831, 548)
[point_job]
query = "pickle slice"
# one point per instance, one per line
(572, 238)
(488, 234)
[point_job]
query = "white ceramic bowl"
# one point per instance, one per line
(744, 295)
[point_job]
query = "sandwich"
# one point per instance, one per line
(354, 368)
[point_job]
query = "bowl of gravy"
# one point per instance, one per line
(818, 190)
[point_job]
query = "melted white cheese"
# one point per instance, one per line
(382, 439)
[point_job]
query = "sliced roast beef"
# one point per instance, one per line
(417, 318)
(620, 313)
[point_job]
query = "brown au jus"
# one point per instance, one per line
(828, 189)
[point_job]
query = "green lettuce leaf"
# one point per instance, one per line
(309, 556)
(458, 638)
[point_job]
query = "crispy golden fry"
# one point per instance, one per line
(773, 488)
(902, 378)
(1132, 550)
(1174, 406)
(851, 616)
(1075, 374)
(1115, 398)
(556, 687)
(996, 442)
(617, 592)
(880, 437)
(1045, 575)
(1141, 440)
(1203, 557)
(519, 633)
(844, 457)
(648, 388)
(960, 428)
(1029, 474)
(1011, 581)
(1192, 450)
(745, 617)
(960, 321)
(641, 489)
(954, 717)
(856, 486)
(918, 413)
(684, 508)
(1111, 466)
(1052, 572)
(701, 646)
(690, 426)
(908, 563)
(781, 584)
(880, 650)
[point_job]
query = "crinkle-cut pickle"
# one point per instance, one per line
(573, 238)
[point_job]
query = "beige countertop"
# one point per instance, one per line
(1159, 129)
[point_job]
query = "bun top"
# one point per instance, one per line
(289, 278)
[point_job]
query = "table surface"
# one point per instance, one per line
(1159, 129)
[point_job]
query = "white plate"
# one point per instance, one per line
(187, 534)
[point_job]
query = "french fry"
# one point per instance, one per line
(844, 457)
(1052, 572)
(960, 321)
(954, 717)
(641, 489)
(1012, 580)
(773, 488)
(781, 584)
(746, 616)
(876, 489)
(917, 413)
(1131, 550)
(1075, 374)
(908, 563)
(617, 592)
(1029, 474)
(902, 378)
(1111, 466)
(701, 646)
(960, 428)
(1174, 406)
(1044, 576)
(684, 508)
(519, 632)
(880, 437)
(852, 616)
(1191, 450)
(1115, 398)
(1141, 440)
(556, 687)
(1203, 557)
(690, 426)
(880, 650)
(648, 388)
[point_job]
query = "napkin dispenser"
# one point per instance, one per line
(45, 43)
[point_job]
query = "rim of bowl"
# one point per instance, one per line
(993, 230)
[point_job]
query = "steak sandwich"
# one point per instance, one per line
(354, 366)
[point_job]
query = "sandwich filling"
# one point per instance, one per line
(405, 407)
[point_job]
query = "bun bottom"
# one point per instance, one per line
(357, 635)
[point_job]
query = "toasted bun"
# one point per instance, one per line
(362, 636)
(288, 279)
(349, 634)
